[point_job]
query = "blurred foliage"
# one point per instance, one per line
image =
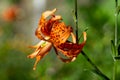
(97, 15)
(14, 1)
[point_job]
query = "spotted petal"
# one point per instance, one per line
(71, 50)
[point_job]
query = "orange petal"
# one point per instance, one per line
(36, 62)
(59, 33)
(33, 54)
(37, 45)
(69, 59)
(41, 49)
(73, 38)
(48, 13)
(56, 18)
(45, 25)
(70, 49)
(45, 49)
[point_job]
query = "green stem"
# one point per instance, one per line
(115, 38)
(115, 51)
(114, 70)
(76, 21)
(86, 57)
(116, 26)
(95, 67)
(116, 3)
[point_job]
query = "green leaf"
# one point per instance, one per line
(119, 50)
(118, 9)
(86, 29)
(74, 17)
(113, 47)
(117, 57)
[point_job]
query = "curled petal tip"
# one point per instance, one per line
(85, 36)
(54, 10)
(74, 58)
(57, 17)
(48, 13)
(31, 56)
(31, 46)
(34, 68)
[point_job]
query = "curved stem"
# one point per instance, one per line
(86, 57)
(96, 68)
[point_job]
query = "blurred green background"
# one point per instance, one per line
(17, 33)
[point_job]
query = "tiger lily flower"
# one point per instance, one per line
(11, 14)
(54, 33)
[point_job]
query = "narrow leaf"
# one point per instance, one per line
(117, 57)
(119, 50)
(113, 47)
(118, 9)
(74, 17)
